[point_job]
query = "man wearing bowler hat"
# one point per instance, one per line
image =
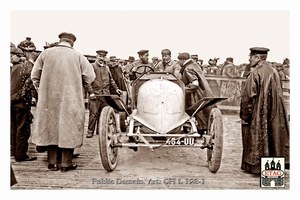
(101, 85)
(140, 66)
(168, 65)
(196, 87)
(265, 129)
(59, 76)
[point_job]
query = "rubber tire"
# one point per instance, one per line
(108, 155)
(214, 156)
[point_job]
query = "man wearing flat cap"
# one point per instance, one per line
(265, 125)
(60, 74)
(140, 66)
(168, 65)
(196, 87)
(103, 84)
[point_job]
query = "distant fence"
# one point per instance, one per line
(232, 87)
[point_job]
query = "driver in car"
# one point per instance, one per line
(140, 66)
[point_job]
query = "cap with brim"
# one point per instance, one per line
(67, 35)
(111, 58)
(131, 58)
(230, 59)
(258, 50)
(102, 52)
(142, 52)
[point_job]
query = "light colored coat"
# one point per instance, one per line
(60, 73)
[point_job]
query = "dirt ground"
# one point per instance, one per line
(162, 169)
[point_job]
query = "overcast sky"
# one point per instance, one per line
(122, 33)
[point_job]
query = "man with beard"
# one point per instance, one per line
(100, 86)
(196, 87)
(168, 65)
(265, 130)
(140, 66)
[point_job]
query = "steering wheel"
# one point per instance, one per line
(145, 67)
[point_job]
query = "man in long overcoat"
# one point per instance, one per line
(196, 87)
(59, 74)
(265, 130)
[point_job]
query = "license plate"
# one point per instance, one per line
(181, 141)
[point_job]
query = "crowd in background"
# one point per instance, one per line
(103, 76)
(212, 68)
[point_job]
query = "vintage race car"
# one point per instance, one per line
(156, 117)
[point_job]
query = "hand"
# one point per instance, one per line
(243, 122)
(119, 91)
(93, 96)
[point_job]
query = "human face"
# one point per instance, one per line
(144, 58)
(100, 58)
(166, 58)
(254, 59)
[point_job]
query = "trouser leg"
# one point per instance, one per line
(23, 132)
(93, 114)
(52, 154)
(13, 130)
(66, 158)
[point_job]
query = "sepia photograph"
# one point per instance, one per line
(153, 97)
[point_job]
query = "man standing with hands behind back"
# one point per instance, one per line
(265, 130)
(59, 75)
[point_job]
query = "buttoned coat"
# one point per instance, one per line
(60, 73)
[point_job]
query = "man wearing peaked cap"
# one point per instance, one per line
(140, 66)
(263, 114)
(142, 52)
(112, 58)
(102, 85)
(168, 65)
(59, 75)
(196, 87)
(258, 50)
(102, 52)
(67, 36)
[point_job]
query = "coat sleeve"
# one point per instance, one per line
(248, 99)
(111, 80)
(191, 76)
(88, 74)
(37, 71)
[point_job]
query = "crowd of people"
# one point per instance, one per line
(59, 76)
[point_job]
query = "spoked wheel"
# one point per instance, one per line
(215, 129)
(107, 133)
